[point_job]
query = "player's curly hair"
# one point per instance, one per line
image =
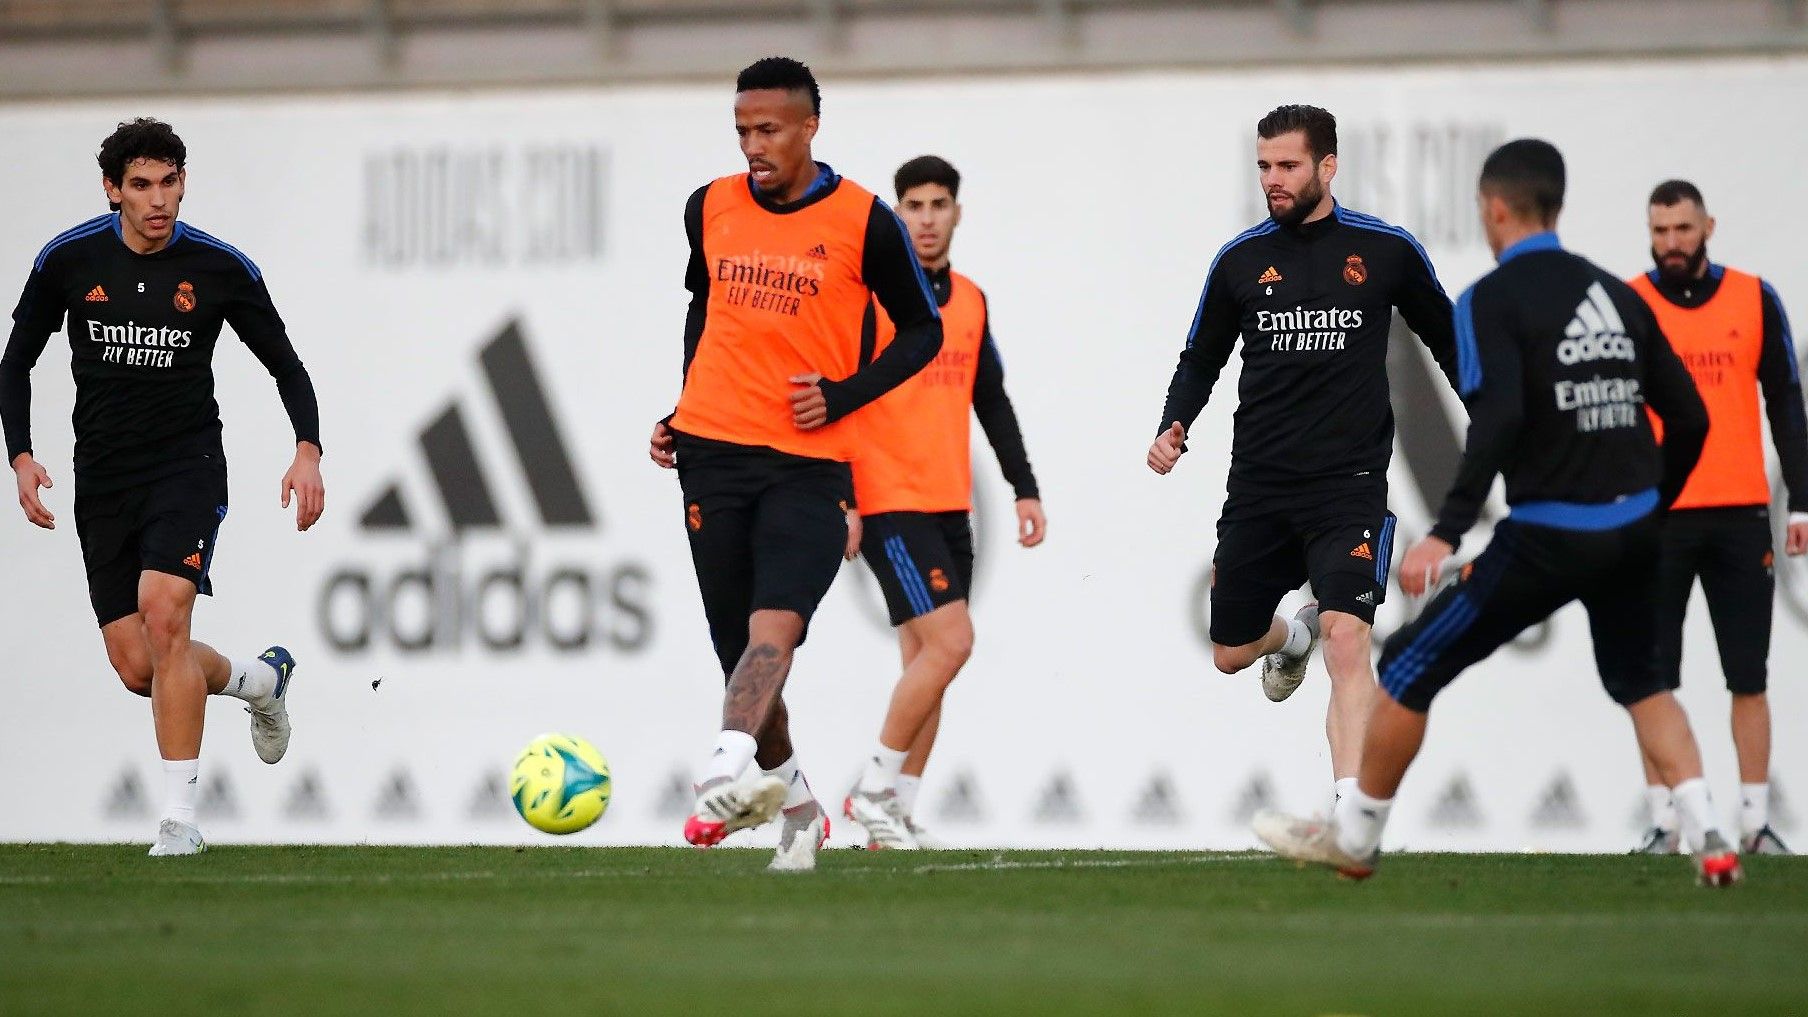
(142, 138)
(927, 169)
(1318, 124)
(780, 72)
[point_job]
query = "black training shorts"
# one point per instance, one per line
(767, 532)
(1523, 576)
(164, 525)
(1337, 534)
(922, 560)
(1730, 550)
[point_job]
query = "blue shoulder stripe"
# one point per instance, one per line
(935, 309)
(1468, 354)
(216, 243)
(1259, 229)
(87, 229)
(1788, 339)
(1362, 220)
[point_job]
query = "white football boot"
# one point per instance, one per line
(800, 838)
(887, 824)
(270, 722)
(1281, 674)
(1311, 840)
(729, 805)
(174, 837)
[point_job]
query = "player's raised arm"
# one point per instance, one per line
(890, 270)
(1490, 379)
(253, 317)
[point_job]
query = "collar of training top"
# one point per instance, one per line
(1317, 227)
(1689, 292)
(1545, 241)
(826, 182)
(176, 234)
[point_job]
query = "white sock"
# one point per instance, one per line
(181, 779)
(1299, 638)
(734, 750)
(1661, 806)
(797, 789)
(1697, 811)
(1754, 807)
(907, 787)
(882, 769)
(253, 681)
(1340, 790)
(1360, 820)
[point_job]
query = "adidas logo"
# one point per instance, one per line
(464, 488)
(819, 252)
(1270, 276)
(450, 598)
(1596, 332)
(1362, 551)
(96, 296)
(1367, 597)
(193, 561)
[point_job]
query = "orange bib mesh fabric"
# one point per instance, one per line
(1720, 342)
(786, 298)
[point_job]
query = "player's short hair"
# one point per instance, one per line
(1675, 192)
(780, 72)
(1528, 175)
(927, 169)
(1320, 127)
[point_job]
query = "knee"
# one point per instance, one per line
(1344, 636)
(165, 623)
(135, 675)
(1230, 659)
(954, 643)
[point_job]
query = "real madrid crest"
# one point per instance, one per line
(1354, 271)
(185, 295)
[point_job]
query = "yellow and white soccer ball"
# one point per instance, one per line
(560, 784)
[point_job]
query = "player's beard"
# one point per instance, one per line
(1689, 270)
(1304, 204)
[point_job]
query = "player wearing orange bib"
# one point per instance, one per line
(1730, 330)
(785, 259)
(913, 481)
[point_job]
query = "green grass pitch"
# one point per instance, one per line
(366, 930)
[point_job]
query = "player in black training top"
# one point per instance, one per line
(1311, 291)
(1557, 361)
(142, 296)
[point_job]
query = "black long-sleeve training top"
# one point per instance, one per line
(142, 330)
(1556, 361)
(1313, 305)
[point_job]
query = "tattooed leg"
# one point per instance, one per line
(759, 676)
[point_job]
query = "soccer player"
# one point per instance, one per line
(144, 296)
(1557, 362)
(1311, 291)
(784, 260)
(913, 483)
(1731, 332)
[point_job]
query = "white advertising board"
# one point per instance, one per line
(452, 266)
